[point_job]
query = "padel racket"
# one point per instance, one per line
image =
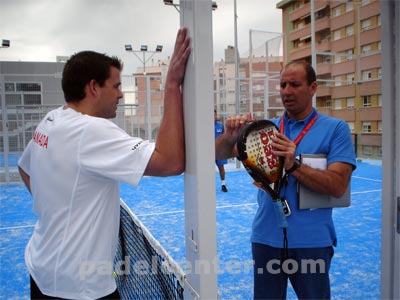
(254, 146)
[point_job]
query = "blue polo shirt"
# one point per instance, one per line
(306, 228)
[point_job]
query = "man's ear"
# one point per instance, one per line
(313, 88)
(92, 87)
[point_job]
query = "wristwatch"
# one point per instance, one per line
(295, 166)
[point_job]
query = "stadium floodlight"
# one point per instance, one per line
(5, 43)
(214, 5)
(143, 50)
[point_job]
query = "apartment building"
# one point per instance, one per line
(347, 57)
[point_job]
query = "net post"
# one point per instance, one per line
(200, 200)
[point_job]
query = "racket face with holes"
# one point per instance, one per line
(255, 151)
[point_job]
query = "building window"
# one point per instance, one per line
(338, 80)
(379, 72)
(28, 87)
(350, 78)
(336, 11)
(380, 100)
(365, 2)
(337, 35)
(366, 75)
(366, 24)
(349, 6)
(366, 49)
(10, 87)
(366, 126)
(328, 103)
(349, 54)
(23, 93)
(351, 126)
(349, 30)
(367, 150)
(350, 102)
(338, 103)
(379, 151)
(13, 99)
(379, 126)
(366, 101)
(32, 99)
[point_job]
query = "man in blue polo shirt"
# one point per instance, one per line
(310, 234)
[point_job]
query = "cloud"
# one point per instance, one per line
(40, 30)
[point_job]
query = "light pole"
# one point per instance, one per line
(143, 50)
(4, 123)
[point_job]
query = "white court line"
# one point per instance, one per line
(17, 227)
(370, 179)
(182, 211)
(364, 192)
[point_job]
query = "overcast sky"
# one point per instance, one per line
(40, 30)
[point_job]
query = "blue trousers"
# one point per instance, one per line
(306, 268)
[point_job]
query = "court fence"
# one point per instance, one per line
(26, 100)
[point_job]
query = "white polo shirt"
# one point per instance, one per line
(75, 163)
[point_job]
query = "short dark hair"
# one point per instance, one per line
(81, 68)
(310, 72)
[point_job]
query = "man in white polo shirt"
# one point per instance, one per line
(73, 166)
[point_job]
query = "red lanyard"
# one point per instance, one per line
(303, 132)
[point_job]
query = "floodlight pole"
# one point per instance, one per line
(143, 59)
(237, 103)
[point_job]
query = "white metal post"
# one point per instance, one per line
(313, 50)
(4, 124)
(148, 110)
(200, 200)
(390, 256)
(237, 89)
(251, 72)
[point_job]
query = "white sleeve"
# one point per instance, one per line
(107, 150)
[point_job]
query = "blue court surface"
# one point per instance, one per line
(158, 202)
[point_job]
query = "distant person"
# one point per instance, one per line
(286, 254)
(73, 167)
(219, 129)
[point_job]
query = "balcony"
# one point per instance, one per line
(305, 10)
(369, 10)
(345, 67)
(373, 87)
(299, 53)
(323, 68)
(343, 91)
(323, 91)
(370, 113)
(305, 32)
(342, 20)
(368, 62)
(370, 139)
(346, 114)
(343, 44)
(370, 36)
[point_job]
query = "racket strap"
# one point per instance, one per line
(285, 249)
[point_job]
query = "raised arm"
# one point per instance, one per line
(169, 154)
(225, 144)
